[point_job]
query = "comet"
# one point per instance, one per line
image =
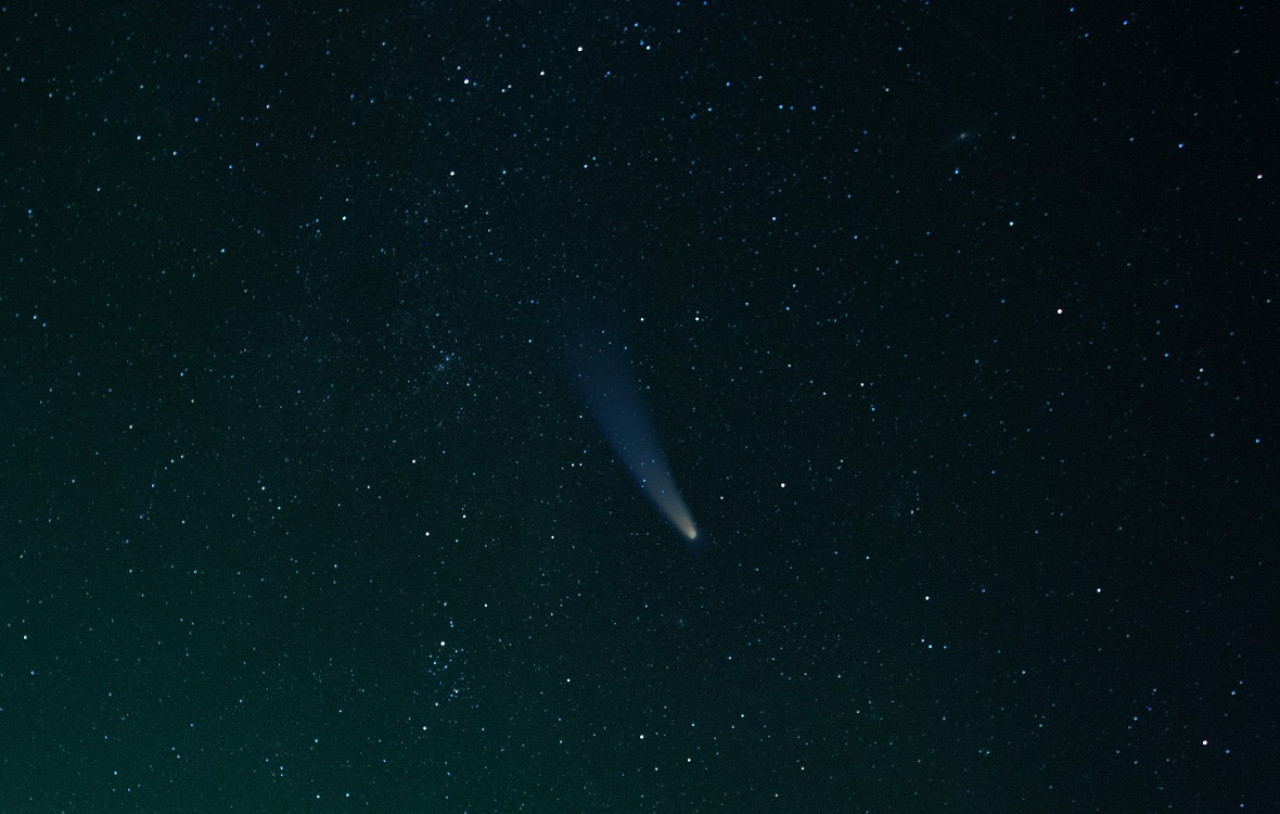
(601, 374)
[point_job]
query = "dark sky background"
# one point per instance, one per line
(957, 323)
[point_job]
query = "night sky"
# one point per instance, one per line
(956, 323)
